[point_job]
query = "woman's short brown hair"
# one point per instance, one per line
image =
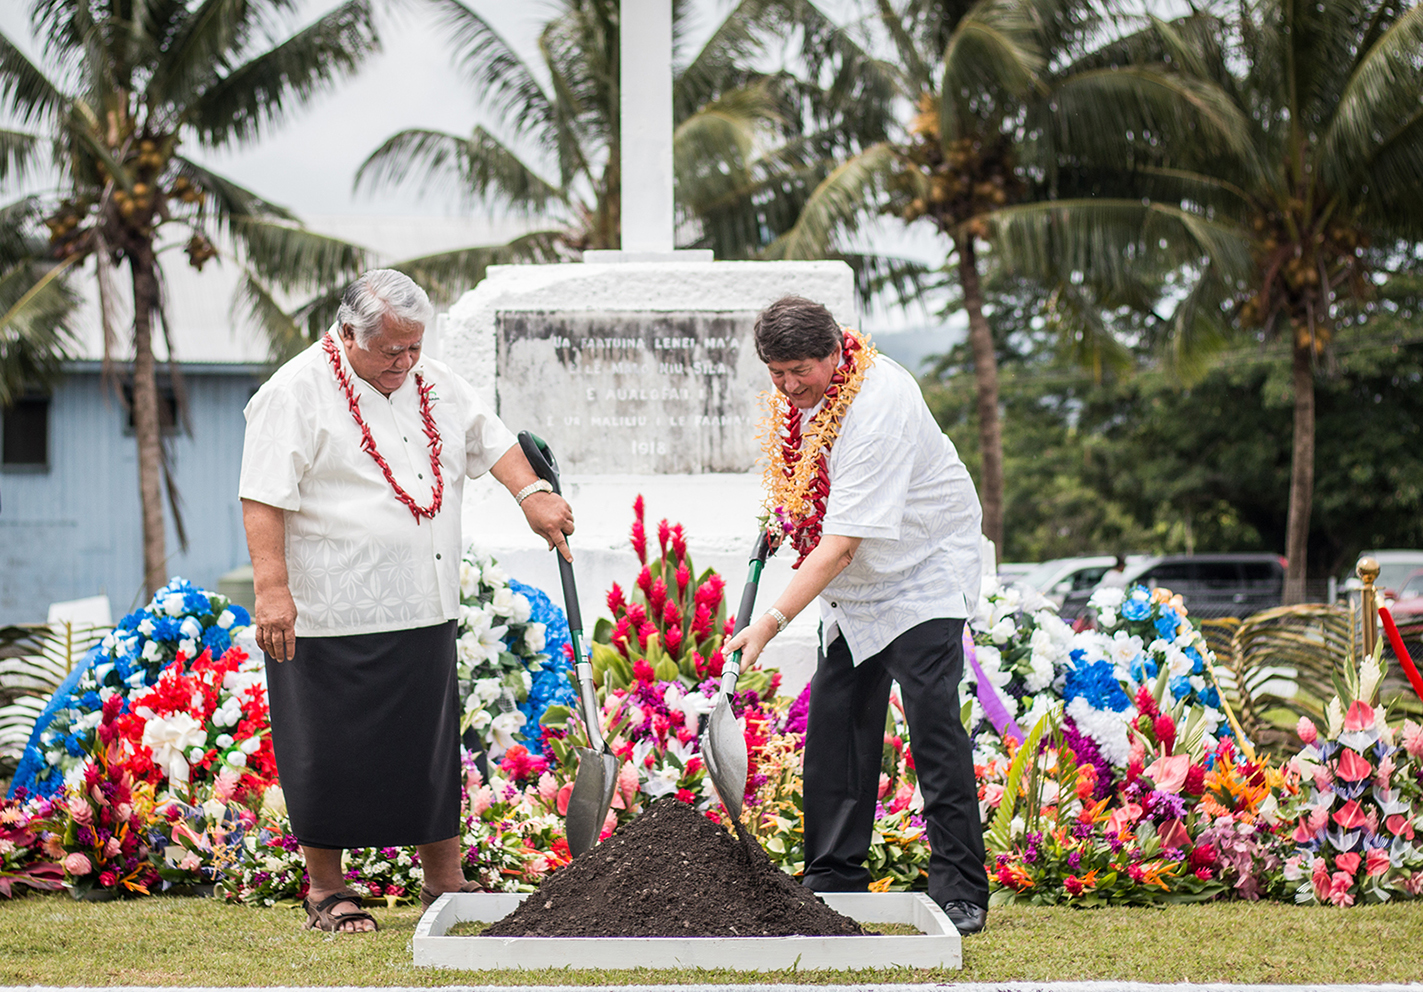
(794, 328)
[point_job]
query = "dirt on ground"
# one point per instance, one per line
(672, 872)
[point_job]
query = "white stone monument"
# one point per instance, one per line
(638, 368)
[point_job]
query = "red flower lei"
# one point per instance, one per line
(368, 443)
(797, 493)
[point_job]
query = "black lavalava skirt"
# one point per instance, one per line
(365, 730)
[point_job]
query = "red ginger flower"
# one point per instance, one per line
(702, 622)
(664, 531)
(636, 614)
(679, 542)
(684, 578)
(639, 533)
(657, 598)
(1146, 702)
(672, 640)
(709, 592)
(617, 603)
(1165, 728)
(622, 630)
(728, 627)
(643, 672)
(644, 581)
(644, 632)
(671, 616)
(1195, 783)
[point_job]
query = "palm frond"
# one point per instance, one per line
(37, 660)
(265, 89)
(447, 274)
(293, 257)
(991, 49)
(845, 196)
(1107, 240)
(36, 333)
(256, 301)
(1109, 114)
(1393, 174)
(26, 92)
(480, 166)
(227, 200)
(18, 154)
(720, 138)
(203, 44)
(1384, 92)
(505, 82)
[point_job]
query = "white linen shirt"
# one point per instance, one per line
(358, 562)
(896, 482)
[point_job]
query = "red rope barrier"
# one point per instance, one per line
(1396, 639)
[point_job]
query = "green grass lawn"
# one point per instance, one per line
(53, 940)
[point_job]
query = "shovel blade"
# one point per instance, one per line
(724, 751)
(591, 798)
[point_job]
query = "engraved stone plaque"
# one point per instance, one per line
(633, 392)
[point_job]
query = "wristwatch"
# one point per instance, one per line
(542, 486)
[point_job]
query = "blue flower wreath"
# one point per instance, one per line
(552, 686)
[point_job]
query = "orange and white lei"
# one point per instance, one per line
(797, 475)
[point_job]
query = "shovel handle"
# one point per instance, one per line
(731, 669)
(541, 458)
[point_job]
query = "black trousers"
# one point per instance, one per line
(844, 743)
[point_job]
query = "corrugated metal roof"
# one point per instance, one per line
(199, 304)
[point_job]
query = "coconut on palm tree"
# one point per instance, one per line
(124, 91)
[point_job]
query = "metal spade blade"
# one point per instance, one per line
(591, 798)
(597, 777)
(723, 743)
(724, 751)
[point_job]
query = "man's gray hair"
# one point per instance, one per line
(380, 293)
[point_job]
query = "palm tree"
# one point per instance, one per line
(1026, 114)
(127, 85)
(1325, 192)
(749, 145)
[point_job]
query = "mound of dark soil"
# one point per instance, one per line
(672, 873)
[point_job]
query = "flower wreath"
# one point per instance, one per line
(797, 476)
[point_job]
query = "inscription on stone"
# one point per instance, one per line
(636, 392)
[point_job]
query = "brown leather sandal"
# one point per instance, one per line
(429, 895)
(320, 917)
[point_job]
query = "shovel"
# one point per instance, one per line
(723, 743)
(597, 777)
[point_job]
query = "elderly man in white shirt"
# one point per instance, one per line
(353, 467)
(885, 522)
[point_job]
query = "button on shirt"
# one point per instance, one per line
(897, 483)
(357, 560)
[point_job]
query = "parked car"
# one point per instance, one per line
(1221, 585)
(1409, 602)
(1059, 578)
(1395, 567)
(1012, 571)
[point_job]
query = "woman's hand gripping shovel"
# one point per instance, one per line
(723, 743)
(597, 777)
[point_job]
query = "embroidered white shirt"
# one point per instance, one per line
(357, 560)
(896, 482)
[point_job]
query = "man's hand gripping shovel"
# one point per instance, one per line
(597, 778)
(723, 743)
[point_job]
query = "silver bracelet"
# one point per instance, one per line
(542, 486)
(779, 617)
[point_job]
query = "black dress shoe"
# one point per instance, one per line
(966, 917)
